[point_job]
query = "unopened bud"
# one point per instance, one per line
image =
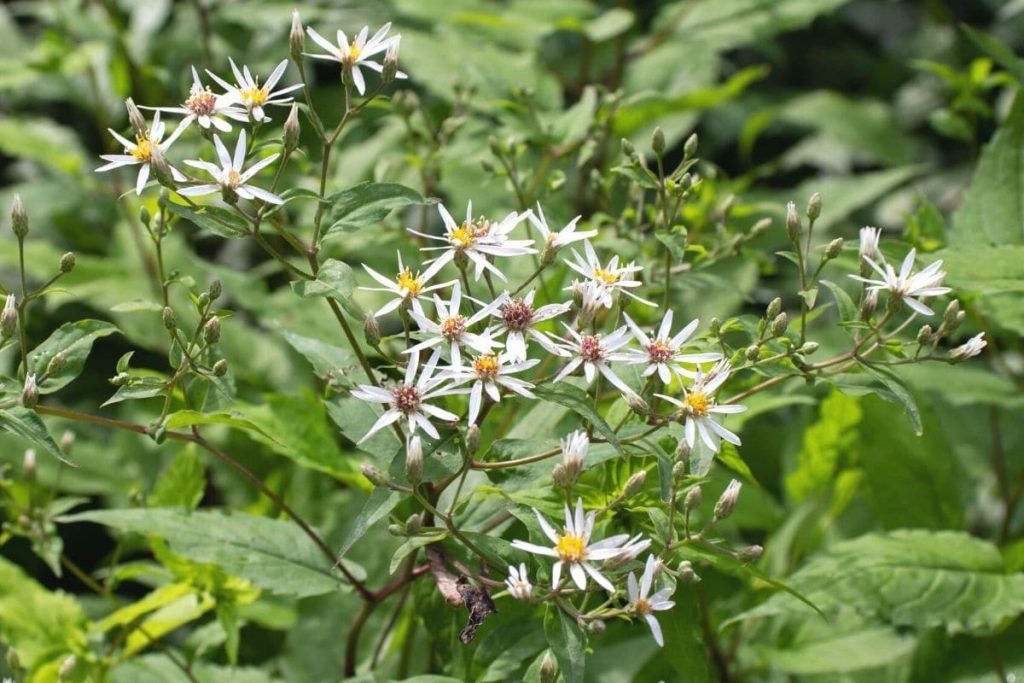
(145, 217)
(204, 300)
(774, 308)
(793, 223)
(834, 248)
(414, 525)
(686, 573)
(376, 477)
(682, 451)
(396, 530)
(487, 166)
(120, 379)
(9, 317)
(690, 148)
(30, 392)
(472, 439)
(135, 118)
(498, 148)
(291, 130)
(215, 290)
(809, 347)
(19, 217)
(868, 306)
(67, 668)
(753, 351)
(950, 317)
(715, 326)
(67, 440)
(211, 330)
(168, 317)
(629, 150)
(296, 37)
(390, 69)
(658, 141)
(57, 363)
(637, 404)
(750, 554)
(635, 483)
(13, 660)
(220, 368)
(67, 262)
(548, 668)
(596, 626)
(562, 476)
(28, 463)
(761, 227)
(778, 326)
(160, 167)
(679, 470)
(814, 207)
(371, 331)
(414, 461)
(693, 498)
(925, 335)
(727, 501)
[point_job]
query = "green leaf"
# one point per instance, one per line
(327, 360)
(909, 578)
(213, 219)
(43, 141)
(182, 484)
(26, 424)
(366, 204)
(1002, 54)
(826, 444)
(575, 399)
(847, 309)
(984, 268)
(75, 341)
(378, 506)
(614, 22)
(335, 280)
(567, 643)
(273, 554)
(684, 648)
(822, 650)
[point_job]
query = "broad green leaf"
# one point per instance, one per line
(575, 399)
(41, 140)
(213, 219)
(378, 506)
(366, 204)
(684, 648)
(26, 424)
(822, 650)
(327, 360)
(182, 484)
(847, 309)
(75, 341)
(567, 643)
(997, 51)
(272, 553)
(826, 444)
(335, 280)
(613, 22)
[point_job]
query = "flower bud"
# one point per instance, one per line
(120, 379)
(774, 308)
(686, 573)
(548, 668)
(753, 351)
(9, 317)
(925, 335)
(291, 130)
(371, 331)
(682, 451)
(67, 262)
(28, 463)
(868, 306)
(693, 498)
(760, 227)
(809, 347)
(220, 368)
(637, 404)
(630, 151)
(727, 501)
(951, 317)
(715, 327)
(472, 439)
(67, 668)
(161, 168)
(971, 348)
(57, 363)
(679, 470)
(135, 118)
(396, 530)
(145, 217)
(658, 141)
(414, 525)
(814, 207)
(635, 483)
(67, 440)
(690, 148)
(390, 69)
(779, 323)
(414, 460)
(19, 217)
(376, 477)
(596, 626)
(168, 317)
(834, 248)
(562, 476)
(211, 330)
(215, 290)
(793, 228)
(296, 38)
(30, 392)
(204, 300)
(751, 554)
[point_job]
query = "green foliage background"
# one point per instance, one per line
(904, 115)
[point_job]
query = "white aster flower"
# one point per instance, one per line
(140, 152)
(557, 240)
(595, 353)
(478, 240)
(574, 451)
(662, 354)
(869, 238)
(407, 287)
(248, 92)
(608, 279)
(642, 605)
(969, 349)
(518, 583)
(408, 399)
(230, 176)
(356, 54)
(517, 317)
(699, 408)
(905, 285)
(452, 327)
(573, 547)
(491, 373)
(206, 108)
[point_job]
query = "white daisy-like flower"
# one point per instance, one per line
(662, 353)
(452, 327)
(969, 349)
(573, 548)
(699, 408)
(869, 238)
(574, 450)
(230, 176)
(140, 152)
(642, 605)
(206, 108)
(595, 353)
(248, 92)
(406, 286)
(491, 373)
(629, 551)
(905, 285)
(478, 240)
(517, 317)
(519, 586)
(409, 399)
(357, 53)
(557, 240)
(608, 279)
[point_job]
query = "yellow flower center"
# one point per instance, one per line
(409, 282)
(233, 179)
(353, 53)
(143, 149)
(254, 97)
(605, 276)
(462, 237)
(697, 402)
(570, 548)
(486, 367)
(642, 607)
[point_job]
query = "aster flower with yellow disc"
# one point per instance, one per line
(698, 407)
(407, 286)
(352, 56)
(140, 153)
(206, 108)
(248, 92)
(491, 373)
(232, 179)
(663, 353)
(607, 279)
